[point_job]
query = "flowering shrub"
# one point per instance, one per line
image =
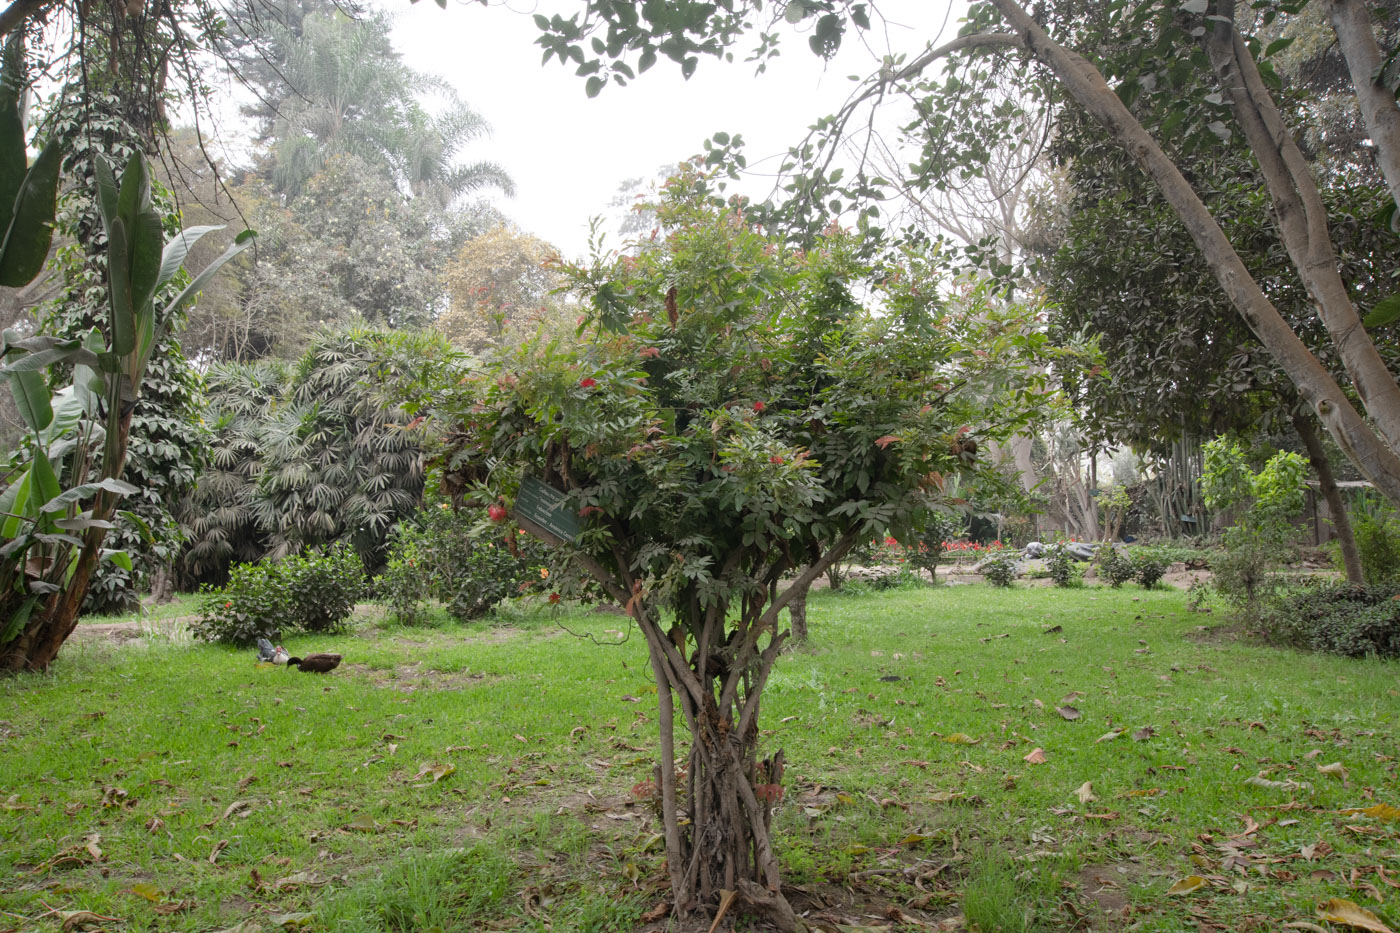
(1000, 569)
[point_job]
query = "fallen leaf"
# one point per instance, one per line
(301, 879)
(1348, 913)
(961, 738)
(1187, 885)
(1335, 769)
(82, 919)
(1036, 757)
(1110, 736)
(247, 926)
(1143, 734)
(238, 808)
(1260, 781)
(438, 771)
(13, 804)
(364, 823)
(661, 910)
(165, 908)
(219, 846)
(1085, 792)
(292, 921)
(1067, 712)
(149, 891)
(155, 824)
(1381, 811)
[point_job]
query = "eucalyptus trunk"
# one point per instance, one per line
(1327, 485)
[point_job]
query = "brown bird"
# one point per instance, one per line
(315, 663)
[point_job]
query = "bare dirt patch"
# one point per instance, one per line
(407, 678)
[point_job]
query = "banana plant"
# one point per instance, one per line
(51, 536)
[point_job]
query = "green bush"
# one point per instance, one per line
(322, 589)
(1378, 544)
(1061, 566)
(469, 568)
(1000, 569)
(1338, 618)
(315, 593)
(1149, 567)
(1115, 567)
(252, 604)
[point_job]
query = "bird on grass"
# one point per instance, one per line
(315, 663)
(267, 654)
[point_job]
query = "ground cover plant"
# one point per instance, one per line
(965, 758)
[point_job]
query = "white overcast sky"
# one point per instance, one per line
(568, 154)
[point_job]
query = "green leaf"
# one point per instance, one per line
(43, 480)
(14, 162)
(62, 499)
(31, 394)
(35, 362)
(240, 243)
(19, 620)
(135, 193)
(1385, 312)
(178, 249)
(146, 534)
(119, 282)
(121, 558)
(594, 85)
(30, 230)
(14, 501)
(82, 523)
(1278, 45)
(106, 194)
(147, 241)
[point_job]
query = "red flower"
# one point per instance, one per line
(553, 598)
(776, 459)
(497, 513)
(588, 383)
(891, 542)
(228, 605)
(650, 353)
(887, 440)
(759, 406)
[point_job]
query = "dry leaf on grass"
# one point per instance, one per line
(1335, 769)
(1187, 885)
(1143, 734)
(1036, 757)
(1381, 811)
(1086, 792)
(364, 823)
(84, 919)
(435, 770)
(219, 846)
(1348, 913)
(292, 921)
(1067, 712)
(961, 738)
(1110, 736)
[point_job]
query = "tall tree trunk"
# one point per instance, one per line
(1372, 450)
(1380, 111)
(1327, 483)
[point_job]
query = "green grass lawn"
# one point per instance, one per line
(465, 778)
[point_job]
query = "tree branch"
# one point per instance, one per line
(16, 13)
(1379, 109)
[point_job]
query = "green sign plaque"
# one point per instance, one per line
(540, 508)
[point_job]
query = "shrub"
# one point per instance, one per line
(1116, 567)
(252, 604)
(1000, 569)
(1339, 618)
(469, 568)
(315, 593)
(1378, 544)
(1061, 566)
(322, 589)
(1149, 567)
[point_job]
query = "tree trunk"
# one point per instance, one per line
(1351, 557)
(718, 825)
(797, 616)
(1379, 109)
(162, 590)
(1375, 456)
